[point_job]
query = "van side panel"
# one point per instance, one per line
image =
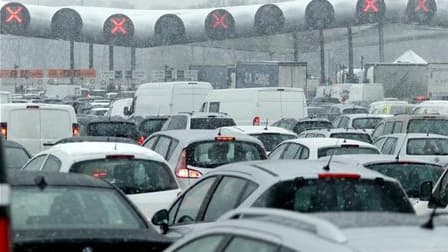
(188, 98)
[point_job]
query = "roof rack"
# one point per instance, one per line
(304, 222)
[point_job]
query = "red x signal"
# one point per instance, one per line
(219, 21)
(14, 15)
(421, 5)
(370, 5)
(119, 26)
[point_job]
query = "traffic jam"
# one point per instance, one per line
(216, 136)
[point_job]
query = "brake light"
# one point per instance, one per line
(339, 176)
(182, 170)
(75, 129)
(141, 140)
(4, 235)
(4, 130)
(256, 121)
(99, 174)
(120, 157)
(225, 139)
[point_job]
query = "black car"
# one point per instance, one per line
(16, 155)
(152, 124)
(300, 125)
(113, 127)
(5, 242)
(75, 212)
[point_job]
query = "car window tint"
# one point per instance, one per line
(379, 143)
(291, 151)
(152, 125)
(162, 146)
(388, 128)
(192, 201)
(150, 143)
(227, 196)
(304, 153)
(250, 245)
(389, 145)
(277, 152)
(177, 122)
(398, 127)
(344, 122)
(378, 131)
(173, 146)
(206, 244)
(17, 157)
(214, 107)
(52, 164)
(36, 163)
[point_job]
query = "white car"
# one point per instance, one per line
(359, 121)
(416, 146)
(432, 107)
(140, 173)
(98, 111)
(353, 134)
(315, 148)
(270, 136)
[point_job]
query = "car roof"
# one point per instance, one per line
(110, 119)
(290, 169)
(204, 114)
(190, 136)
(414, 135)
(338, 130)
(364, 115)
(249, 129)
(41, 106)
(345, 106)
(416, 116)
(319, 142)
(27, 178)
(89, 150)
(79, 139)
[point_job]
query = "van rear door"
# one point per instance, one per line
(55, 124)
(188, 97)
(274, 104)
(24, 127)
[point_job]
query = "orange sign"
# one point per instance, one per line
(51, 73)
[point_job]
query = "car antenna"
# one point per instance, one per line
(219, 132)
(115, 146)
(40, 182)
(327, 166)
(266, 127)
(429, 224)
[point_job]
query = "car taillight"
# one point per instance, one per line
(182, 170)
(256, 121)
(4, 235)
(141, 140)
(339, 176)
(99, 174)
(225, 139)
(4, 130)
(75, 129)
(120, 156)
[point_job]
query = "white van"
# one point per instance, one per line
(37, 126)
(168, 98)
(248, 106)
(116, 108)
(5, 97)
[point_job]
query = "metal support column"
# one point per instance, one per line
(90, 56)
(381, 40)
(72, 60)
(323, 79)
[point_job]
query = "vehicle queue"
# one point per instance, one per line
(231, 173)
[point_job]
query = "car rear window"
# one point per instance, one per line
(211, 154)
(116, 129)
(211, 123)
(336, 195)
(428, 125)
(345, 150)
(132, 176)
(16, 158)
(427, 146)
(270, 140)
(65, 207)
(366, 123)
(410, 175)
(353, 136)
(355, 111)
(152, 125)
(302, 126)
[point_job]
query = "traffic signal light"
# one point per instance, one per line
(169, 29)
(118, 29)
(421, 11)
(15, 18)
(219, 25)
(370, 11)
(269, 19)
(66, 24)
(319, 14)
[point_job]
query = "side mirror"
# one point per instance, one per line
(161, 218)
(426, 191)
(126, 111)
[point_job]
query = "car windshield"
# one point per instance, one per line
(410, 175)
(336, 195)
(302, 126)
(270, 140)
(428, 125)
(345, 150)
(116, 129)
(366, 123)
(427, 146)
(353, 136)
(355, 111)
(211, 123)
(150, 126)
(15, 157)
(132, 176)
(62, 208)
(215, 153)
